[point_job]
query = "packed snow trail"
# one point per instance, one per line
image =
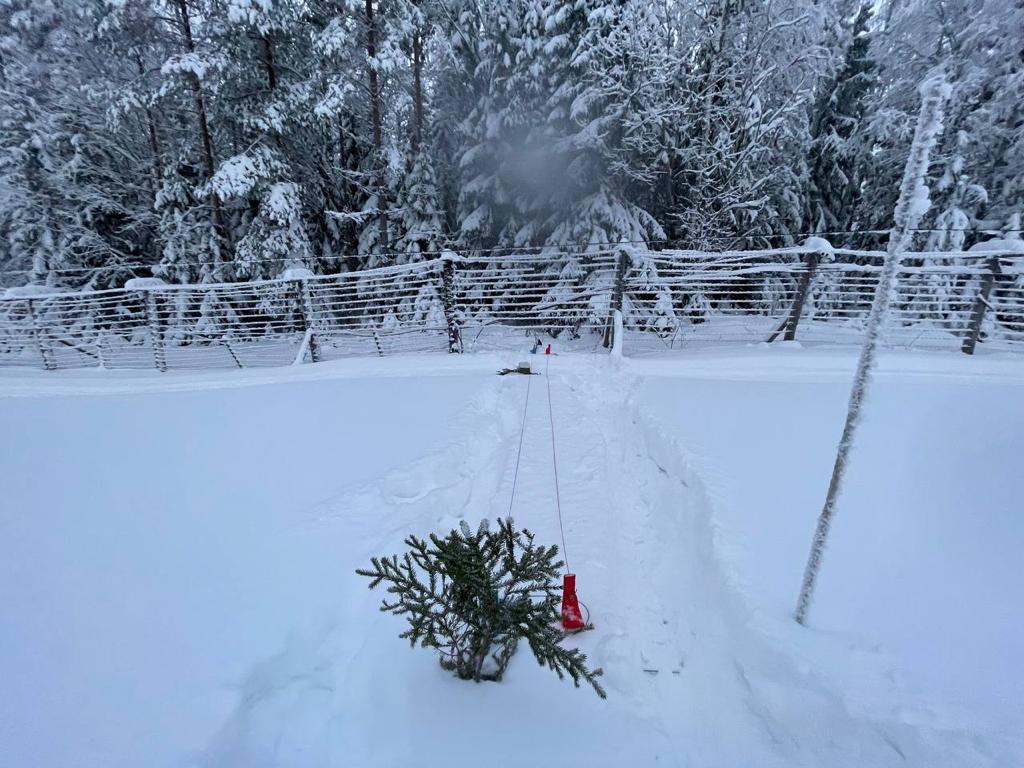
(692, 680)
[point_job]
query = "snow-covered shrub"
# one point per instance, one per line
(773, 295)
(276, 236)
(473, 596)
(698, 308)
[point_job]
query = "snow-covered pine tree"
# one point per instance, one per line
(31, 156)
(72, 210)
(835, 180)
(342, 122)
(975, 38)
(276, 238)
(595, 101)
(183, 228)
(420, 219)
(586, 146)
(487, 44)
(382, 55)
(473, 596)
(984, 111)
(269, 73)
(744, 148)
(190, 73)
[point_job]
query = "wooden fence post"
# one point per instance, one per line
(304, 301)
(795, 311)
(156, 336)
(981, 305)
(801, 296)
(41, 339)
(451, 317)
(618, 292)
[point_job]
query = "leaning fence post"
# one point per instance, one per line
(156, 336)
(304, 301)
(981, 305)
(803, 288)
(618, 291)
(42, 342)
(451, 316)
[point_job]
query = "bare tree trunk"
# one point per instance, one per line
(912, 203)
(417, 85)
(204, 129)
(378, 141)
(268, 61)
(154, 140)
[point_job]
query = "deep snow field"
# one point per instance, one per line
(177, 556)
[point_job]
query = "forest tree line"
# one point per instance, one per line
(223, 140)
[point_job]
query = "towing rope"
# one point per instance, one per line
(554, 463)
(554, 457)
(519, 455)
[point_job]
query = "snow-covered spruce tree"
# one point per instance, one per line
(835, 182)
(592, 87)
(72, 211)
(276, 237)
(596, 100)
(32, 141)
(341, 111)
(473, 596)
(741, 157)
(487, 47)
(935, 294)
(382, 56)
(420, 219)
(191, 74)
(184, 229)
(983, 140)
(270, 114)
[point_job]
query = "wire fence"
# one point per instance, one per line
(669, 299)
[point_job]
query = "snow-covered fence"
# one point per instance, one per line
(667, 298)
(941, 300)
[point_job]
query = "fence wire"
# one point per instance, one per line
(669, 299)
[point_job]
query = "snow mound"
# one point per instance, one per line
(31, 291)
(144, 283)
(998, 245)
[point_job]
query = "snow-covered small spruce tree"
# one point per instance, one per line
(472, 596)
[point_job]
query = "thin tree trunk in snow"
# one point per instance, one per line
(154, 140)
(204, 128)
(268, 61)
(378, 142)
(417, 82)
(912, 204)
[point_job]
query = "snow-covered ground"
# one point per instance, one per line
(177, 556)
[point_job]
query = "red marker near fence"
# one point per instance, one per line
(547, 350)
(571, 616)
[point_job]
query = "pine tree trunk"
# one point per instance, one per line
(268, 61)
(378, 141)
(154, 140)
(417, 84)
(204, 130)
